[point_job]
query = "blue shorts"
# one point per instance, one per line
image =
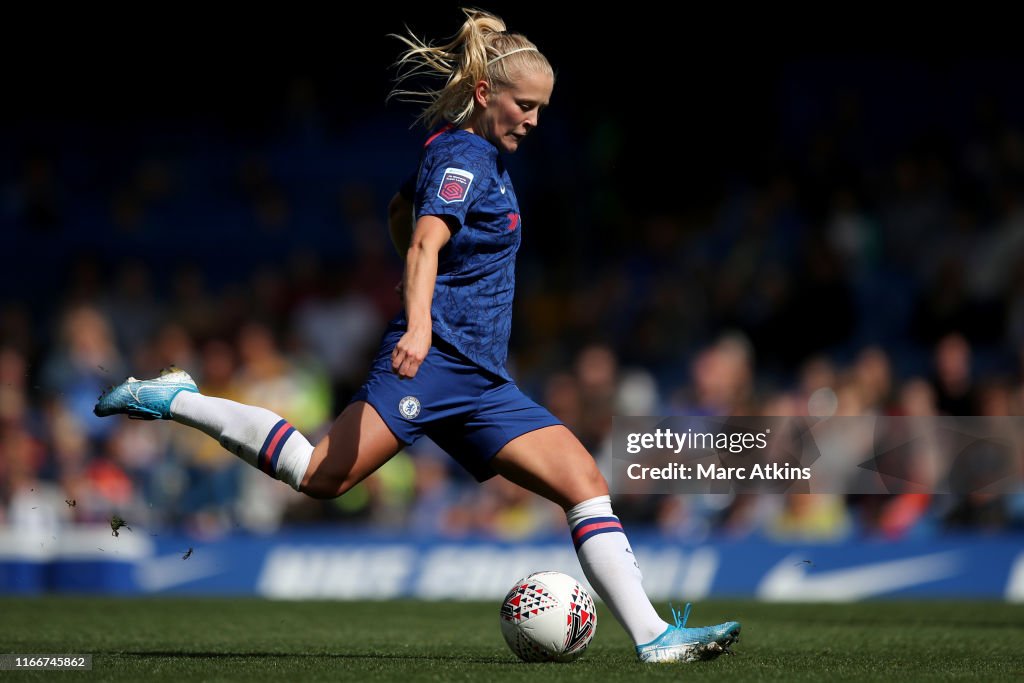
(469, 412)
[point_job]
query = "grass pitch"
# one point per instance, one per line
(258, 640)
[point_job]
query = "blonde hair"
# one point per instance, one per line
(483, 49)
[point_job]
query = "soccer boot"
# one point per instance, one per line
(681, 644)
(145, 399)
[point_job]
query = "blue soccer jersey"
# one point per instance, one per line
(462, 177)
(462, 396)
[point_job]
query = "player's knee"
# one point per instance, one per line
(325, 487)
(581, 486)
(586, 484)
(596, 485)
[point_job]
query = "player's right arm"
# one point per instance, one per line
(400, 215)
(431, 234)
(400, 223)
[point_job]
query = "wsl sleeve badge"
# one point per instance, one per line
(409, 407)
(454, 185)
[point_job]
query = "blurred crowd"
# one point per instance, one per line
(883, 280)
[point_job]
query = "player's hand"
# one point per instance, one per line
(400, 290)
(410, 352)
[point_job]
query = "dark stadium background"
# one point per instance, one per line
(719, 216)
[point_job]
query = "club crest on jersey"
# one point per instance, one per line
(454, 185)
(409, 407)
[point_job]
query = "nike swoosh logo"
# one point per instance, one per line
(502, 188)
(137, 394)
(167, 571)
(788, 581)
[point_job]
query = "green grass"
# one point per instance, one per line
(259, 640)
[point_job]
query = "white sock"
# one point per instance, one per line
(256, 435)
(609, 565)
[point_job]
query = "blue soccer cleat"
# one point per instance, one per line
(681, 644)
(145, 399)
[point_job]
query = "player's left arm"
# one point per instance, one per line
(432, 233)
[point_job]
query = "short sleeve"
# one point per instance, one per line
(450, 180)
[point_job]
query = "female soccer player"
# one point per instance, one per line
(441, 369)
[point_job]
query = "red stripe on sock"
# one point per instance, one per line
(586, 528)
(269, 455)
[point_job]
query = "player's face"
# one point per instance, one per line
(512, 112)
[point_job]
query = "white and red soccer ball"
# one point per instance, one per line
(548, 617)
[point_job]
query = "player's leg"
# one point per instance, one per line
(552, 462)
(357, 444)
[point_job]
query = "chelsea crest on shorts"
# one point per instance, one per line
(409, 407)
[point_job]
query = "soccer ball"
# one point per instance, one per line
(548, 617)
